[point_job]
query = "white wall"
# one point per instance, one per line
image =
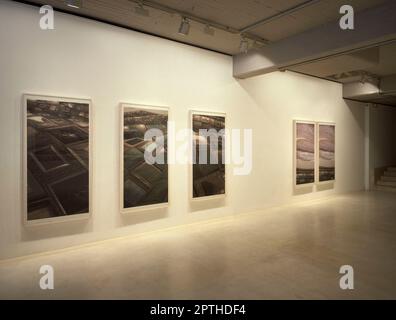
(86, 59)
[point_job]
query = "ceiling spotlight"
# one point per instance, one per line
(244, 46)
(209, 30)
(74, 3)
(184, 28)
(140, 10)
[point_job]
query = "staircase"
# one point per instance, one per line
(388, 180)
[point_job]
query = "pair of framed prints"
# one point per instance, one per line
(58, 161)
(314, 153)
(146, 185)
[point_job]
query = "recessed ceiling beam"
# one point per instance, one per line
(360, 90)
(372, 27)
(279, 15)
(382, 90)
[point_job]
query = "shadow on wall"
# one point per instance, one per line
(69, 228)
(325, 186)
(56, 229)
(143, 216)
(301, 190)
(207, 204)
(383, 136)
(356, 111)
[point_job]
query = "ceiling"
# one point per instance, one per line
(263, 22)
(285, 18)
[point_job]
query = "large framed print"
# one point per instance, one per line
(304, 153)
(57, 158)
(208, 170)
(144, 157)
(326, 149)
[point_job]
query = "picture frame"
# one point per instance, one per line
(319, 159)
(223, 195)
(144, 207)
(305, 173)
(55, 126)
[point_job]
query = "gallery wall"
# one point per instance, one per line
(87, 59)
(383, 135)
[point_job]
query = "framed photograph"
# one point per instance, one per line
(144, 157)
(326, 150)
(57, 159)
(208, 170)
(304, 153)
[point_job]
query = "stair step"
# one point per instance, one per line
(390, 173)
(380, 188)
(391, 169)
(385, 178)
(391, 184)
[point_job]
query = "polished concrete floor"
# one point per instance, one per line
(291, 252)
